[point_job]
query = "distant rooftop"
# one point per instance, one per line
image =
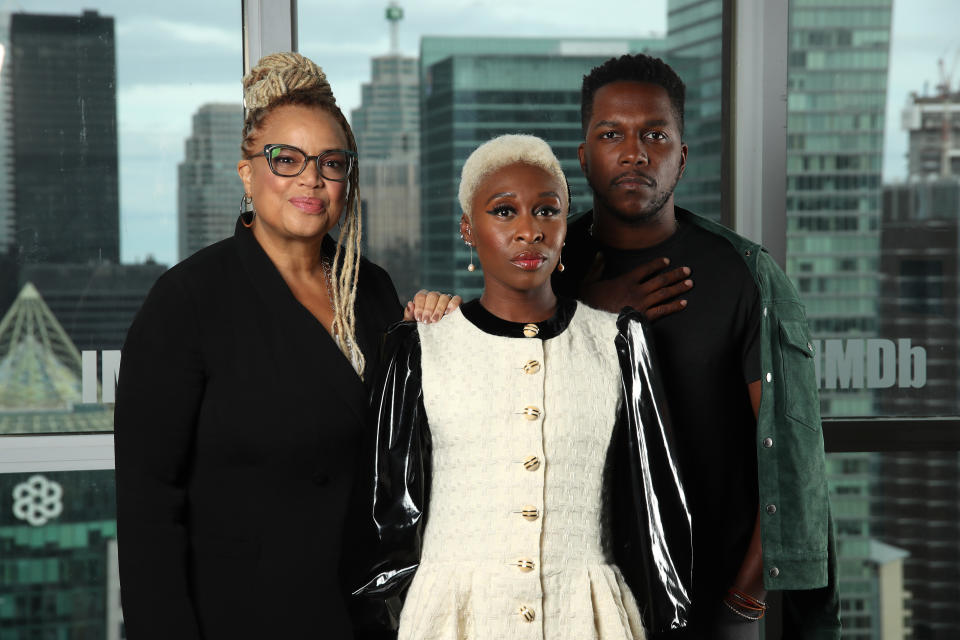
(40, 373)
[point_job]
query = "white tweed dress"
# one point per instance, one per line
(513, 545)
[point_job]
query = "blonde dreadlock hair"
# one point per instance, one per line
(289, 78)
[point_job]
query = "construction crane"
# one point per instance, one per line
(945, 88)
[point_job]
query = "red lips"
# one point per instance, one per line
(529, 260)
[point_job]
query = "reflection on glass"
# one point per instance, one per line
(896, 516)
(58, 569)
(872, 247)
(837, 89)
(95, 107)
(872, 236)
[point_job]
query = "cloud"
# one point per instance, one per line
(173, 31)
(168, 108)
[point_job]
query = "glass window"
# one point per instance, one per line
(121, 127)
(58, 556)
(423, 90)
(873, 208)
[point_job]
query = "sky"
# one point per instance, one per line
(174, 56)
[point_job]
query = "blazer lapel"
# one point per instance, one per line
(305, 355)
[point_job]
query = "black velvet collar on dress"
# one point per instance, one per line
(549, 328)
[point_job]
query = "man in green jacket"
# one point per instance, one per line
(735, 355)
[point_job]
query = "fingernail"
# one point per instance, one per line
(688, 283)
(686, 271)
(683, 303)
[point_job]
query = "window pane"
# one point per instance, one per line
(872, 246)
(58, 556)
(896, 516)
(120, 137)
(873, 202)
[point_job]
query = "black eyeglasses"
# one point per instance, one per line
(287, 161)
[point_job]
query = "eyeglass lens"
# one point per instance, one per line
(289, 162)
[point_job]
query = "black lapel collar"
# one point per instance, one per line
(304, 353)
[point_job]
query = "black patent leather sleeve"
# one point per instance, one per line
(400, 470)
(650, 518)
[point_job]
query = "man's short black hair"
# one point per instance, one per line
(637, 67)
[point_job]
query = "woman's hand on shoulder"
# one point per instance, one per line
(430, 306)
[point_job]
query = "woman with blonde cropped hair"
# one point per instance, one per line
(242, 391)
(524, 481)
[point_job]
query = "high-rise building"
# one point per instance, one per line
(836, 98)
(837, 88)
(933, 124)
(387, 129)
(920, 290)
(694, 47)
(208, 187)
(920, 513)
(6, 131)
(56, 534)
(920, 300)
(473, 89)
(64, 122)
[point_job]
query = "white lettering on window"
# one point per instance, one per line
(108, 379)
(874, 363)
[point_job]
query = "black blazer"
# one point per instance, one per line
(237, 422)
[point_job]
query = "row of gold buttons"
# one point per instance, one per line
(530, 463)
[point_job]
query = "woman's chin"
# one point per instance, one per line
(528, 282)
(308, 225)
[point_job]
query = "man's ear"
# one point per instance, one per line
(582, 156)
(683, 159)
(465, 229)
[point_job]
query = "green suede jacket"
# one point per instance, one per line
(799, 542)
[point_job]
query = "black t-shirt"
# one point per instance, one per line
(708, 354)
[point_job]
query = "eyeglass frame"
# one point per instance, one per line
(352, 155)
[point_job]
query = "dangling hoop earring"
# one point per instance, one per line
(246, 209)
(560, 266)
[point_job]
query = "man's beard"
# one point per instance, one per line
(645, 215)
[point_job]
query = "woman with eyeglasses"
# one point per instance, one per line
(524, 484)
(242, 391)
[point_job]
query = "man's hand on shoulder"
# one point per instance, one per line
(648, 288)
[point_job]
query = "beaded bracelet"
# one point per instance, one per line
(738, 601)
(743, 615)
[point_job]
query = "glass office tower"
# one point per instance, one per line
(694, 50)
(836, 99)
(387, 128)
(208, 187)
(64, 123)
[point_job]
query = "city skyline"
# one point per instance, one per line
(156, 101)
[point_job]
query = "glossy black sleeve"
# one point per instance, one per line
(399, 484)
(650, 519)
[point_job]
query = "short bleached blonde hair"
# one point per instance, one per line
(502, 151)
